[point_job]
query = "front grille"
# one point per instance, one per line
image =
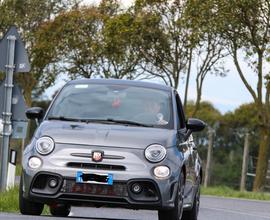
(96, 166)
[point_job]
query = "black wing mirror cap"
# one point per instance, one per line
(35, 113)
(195, 125)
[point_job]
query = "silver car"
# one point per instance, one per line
(115, 143)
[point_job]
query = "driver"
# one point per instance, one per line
(154, 108)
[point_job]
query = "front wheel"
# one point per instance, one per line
(194, 212)
(28, 207)
(177, 211)
(60, 210)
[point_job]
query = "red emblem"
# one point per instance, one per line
(97, 156)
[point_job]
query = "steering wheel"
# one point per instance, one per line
(146, 118)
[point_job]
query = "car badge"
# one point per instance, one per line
(97, 156)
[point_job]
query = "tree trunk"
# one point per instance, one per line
(197, 106)
(261, 167)
(187, 80)
(198, 99)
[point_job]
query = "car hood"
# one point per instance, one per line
(106, 134)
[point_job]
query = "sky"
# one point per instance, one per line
(226, 93)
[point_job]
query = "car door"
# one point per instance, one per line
(185, 146)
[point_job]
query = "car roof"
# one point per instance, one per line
(122, 82)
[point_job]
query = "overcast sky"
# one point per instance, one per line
(226, 93)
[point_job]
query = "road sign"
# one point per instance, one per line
(18, 103)
(13, 58)
(21, 61)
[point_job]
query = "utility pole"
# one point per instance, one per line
(211, 133)
(245, 163)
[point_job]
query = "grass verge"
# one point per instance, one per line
(224, 191)
(9, 201)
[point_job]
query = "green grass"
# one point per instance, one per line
(18, 170)
(9, 201)
(224, 191)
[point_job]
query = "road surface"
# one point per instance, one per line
(212, 208)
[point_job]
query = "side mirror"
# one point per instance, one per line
(195, 125)
(36, 113)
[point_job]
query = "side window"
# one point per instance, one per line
(181, 115)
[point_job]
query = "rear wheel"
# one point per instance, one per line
(194, 212)
(28, 207)
(177, 211)
(60, 210)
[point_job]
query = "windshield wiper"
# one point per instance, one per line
(62, 118)
(93, 120)
(125, 122)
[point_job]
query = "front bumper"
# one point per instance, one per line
(136, 169)
(79, 197)
(163, 197)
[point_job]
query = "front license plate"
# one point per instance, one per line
(117, 189)
(94, 178)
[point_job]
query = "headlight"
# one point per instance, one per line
(34, 162)
(162, 171)
(155, 153)
(44, 145)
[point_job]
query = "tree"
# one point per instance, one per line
(164, 38)
(207, 49)
(71, 42)
(228, 140)
(175, 41)
(97, 42)
(28, 15)
(120, 59)
(245, 25)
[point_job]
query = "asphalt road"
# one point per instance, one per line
(212, 208)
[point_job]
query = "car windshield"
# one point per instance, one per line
(107, 103)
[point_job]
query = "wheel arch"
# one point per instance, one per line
(201, 176)
(184, 170)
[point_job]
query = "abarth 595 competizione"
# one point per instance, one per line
(114, 143)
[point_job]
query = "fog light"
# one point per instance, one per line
(53, 183)
(34, 162)
(136, 188)
(162, 171)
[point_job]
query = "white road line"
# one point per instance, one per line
(238, 199)
(236, 212)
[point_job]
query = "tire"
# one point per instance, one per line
(194, 212)
(177, 211)
(60, 210)
(26, 206)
